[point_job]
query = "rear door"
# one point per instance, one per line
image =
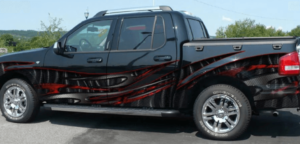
(142, 62)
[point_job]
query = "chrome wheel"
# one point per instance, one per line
(220, 113)
(14, 101)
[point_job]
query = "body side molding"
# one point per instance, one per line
(113, 110)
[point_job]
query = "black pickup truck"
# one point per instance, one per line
(153, 62)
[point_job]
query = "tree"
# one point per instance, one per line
(47, 37)
(220, 33)
(295, 31)
(51, 33)
(247, 28)
(7, 39)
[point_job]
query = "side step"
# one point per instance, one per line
(111, 110)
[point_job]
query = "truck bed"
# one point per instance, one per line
(252, 61)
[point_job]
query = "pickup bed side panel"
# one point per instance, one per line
(256, 65)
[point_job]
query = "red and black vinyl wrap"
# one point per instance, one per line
(95, 88)
(171, 90)
(259, 72)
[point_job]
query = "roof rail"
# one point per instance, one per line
(186, 12)
(144, 9)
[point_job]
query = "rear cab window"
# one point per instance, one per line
(197, 29)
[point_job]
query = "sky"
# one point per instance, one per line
(28, 14)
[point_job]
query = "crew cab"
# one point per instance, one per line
(153, 62)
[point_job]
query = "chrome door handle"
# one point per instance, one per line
(94, 60)
(162, 58)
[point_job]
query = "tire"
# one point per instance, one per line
(221, 121)
(22, 103)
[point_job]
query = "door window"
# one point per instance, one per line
(90, 37)
(142, 33)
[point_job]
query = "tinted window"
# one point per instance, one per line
(90, 37)
(196, 29)
(136, 33)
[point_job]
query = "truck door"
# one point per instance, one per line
(80, 73)
(142, 62)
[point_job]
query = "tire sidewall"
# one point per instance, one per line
(239, 98)
(29, 103)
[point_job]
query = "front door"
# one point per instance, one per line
(142, 62)
(80, 73)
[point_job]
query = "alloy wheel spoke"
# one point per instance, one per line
(212, 107)
(22, 98)
(213, 103)
(226, 104)
(219, 126)
(7, 106)
(13, 93)
(18, 93)
(9, 95)
(21, 109)
(7, 102)
(21, 105)
(207, 118)
(14, 113)
(209, 114)
(232, 113)
(230, 122)
(227, 124)
(221, 102)
(231, 109)
(215, 124)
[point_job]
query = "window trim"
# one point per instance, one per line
(165, 36)
(86, 52)
(154, 24)
(89, 22)
(152, 35)
(203, 29)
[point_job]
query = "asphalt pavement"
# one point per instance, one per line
(79, 128)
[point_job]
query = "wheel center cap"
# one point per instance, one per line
(220, 113)
(13, 105)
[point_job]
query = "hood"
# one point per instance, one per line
(33, 55)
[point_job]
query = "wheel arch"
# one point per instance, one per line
(219, 79)
(11, 75)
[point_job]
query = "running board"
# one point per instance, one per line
(112, 110)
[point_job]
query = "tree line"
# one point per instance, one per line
(248, 28)
(20, 33)
(45, 38)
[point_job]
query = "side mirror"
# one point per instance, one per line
(57, 48)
